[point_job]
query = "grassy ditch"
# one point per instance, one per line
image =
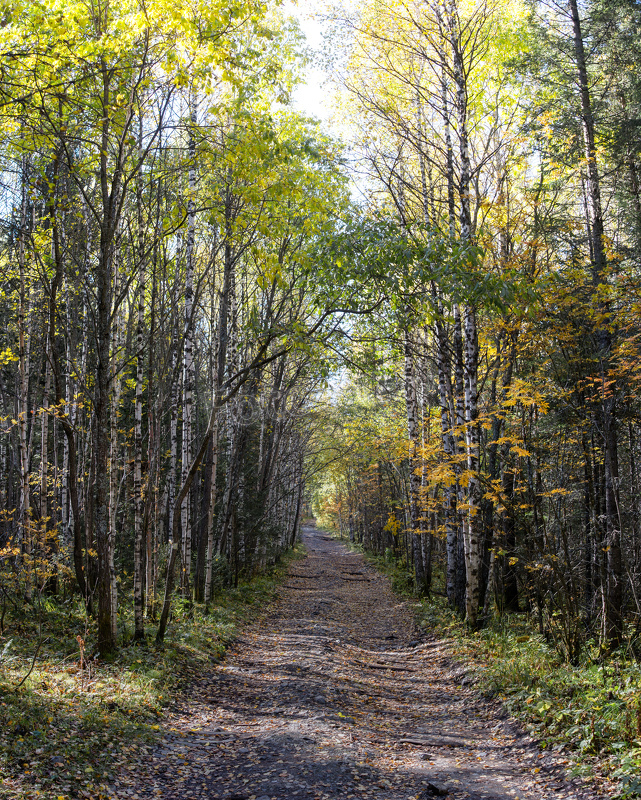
(67, 720)
(590, 713)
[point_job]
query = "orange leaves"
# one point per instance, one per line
(524, 393)
(392, 525)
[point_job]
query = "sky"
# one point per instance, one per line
(312, 97)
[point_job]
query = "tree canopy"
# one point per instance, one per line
(205, 337)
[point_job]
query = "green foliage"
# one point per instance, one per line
(591, 712)
(401, 578)
(376, 259)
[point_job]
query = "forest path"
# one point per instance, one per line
(330, 695)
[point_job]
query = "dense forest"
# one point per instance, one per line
(215, 314)
(489, 427)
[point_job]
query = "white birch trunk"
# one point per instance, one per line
(211, 519)
(188, 356)
(139, 626)
(471, 532)
(173, 439)
(114, 471)
(215, 382)
(411, 407)
(24, 365)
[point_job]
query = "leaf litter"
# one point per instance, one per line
(334, 693)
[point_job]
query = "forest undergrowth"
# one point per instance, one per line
(69, 719)
(589, 711)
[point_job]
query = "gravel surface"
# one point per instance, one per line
(333, 694)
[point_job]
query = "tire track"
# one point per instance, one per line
(332, 695)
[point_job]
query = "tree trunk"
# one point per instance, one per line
(472, 523)
(188, 356)
(411, 408)
(139, 625)
(607, 409)
(24, 360)
(103, 276)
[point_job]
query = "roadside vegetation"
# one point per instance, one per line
(589, 711)
(68, 719)
(213, 312)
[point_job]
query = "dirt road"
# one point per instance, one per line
(333, 695)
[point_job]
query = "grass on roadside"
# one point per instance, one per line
(66, 727)
(388, 564)
(591, 712)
